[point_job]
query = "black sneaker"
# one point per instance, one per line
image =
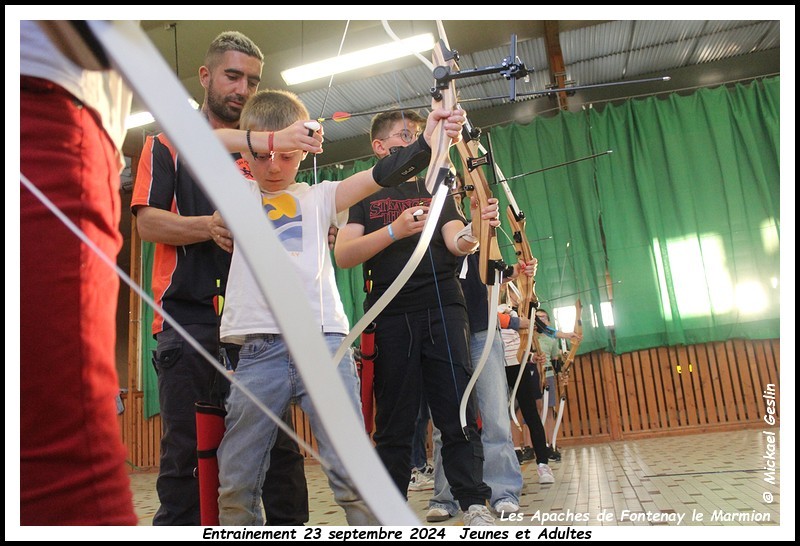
(555, 455)
(519, 455)
(528, 454)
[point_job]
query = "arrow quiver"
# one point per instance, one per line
(210, 420)
(367, 374)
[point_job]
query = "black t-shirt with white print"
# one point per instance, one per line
(420, 292)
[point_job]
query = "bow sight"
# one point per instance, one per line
(510, 67)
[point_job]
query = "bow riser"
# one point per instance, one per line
(443, 97)
(526, 285)
(490, 257)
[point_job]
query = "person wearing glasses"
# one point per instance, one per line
(266, 367)
(423, 334)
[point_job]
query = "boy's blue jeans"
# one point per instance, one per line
(267, 369)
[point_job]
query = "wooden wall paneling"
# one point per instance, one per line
(705, 396)
(729, 399)
(578, 415)
(736, 382)
(775, 346)
(680, 402)
(592, 406)
(749, 391)
(611, 395)
(571, 412)
(149, 443)
(768, 370)
(624, 412)
(141, 431)
(130, 422)
(705, 373)
(136, 446)
(303, 428)
(652, 402)
(658, 386)
(771, 351)
(596, 359)
(761, 372)
(686, 385)
(608, 396)
(641, 395)
(638, 407)
(775, 377)
(667, 371)
(697, 385)
(583, 387)
(720, 392)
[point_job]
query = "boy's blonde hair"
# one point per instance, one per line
(272, 110)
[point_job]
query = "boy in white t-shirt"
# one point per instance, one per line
(301, 214)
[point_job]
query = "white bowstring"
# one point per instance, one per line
(324, 247)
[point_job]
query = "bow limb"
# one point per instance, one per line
(578, 329)
(494, 293)
(560, 416)
(151, 79)
(530, 301)
(438, 172)
(532, 342)
(490, 259)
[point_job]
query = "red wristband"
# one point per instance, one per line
(271, 142)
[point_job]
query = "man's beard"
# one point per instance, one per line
(218, 105)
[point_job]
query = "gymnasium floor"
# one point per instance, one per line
(719, 473)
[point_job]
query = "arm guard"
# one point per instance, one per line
(402, 164)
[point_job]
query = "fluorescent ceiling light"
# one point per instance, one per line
(146, 118)
(138, 119)
(358, 59)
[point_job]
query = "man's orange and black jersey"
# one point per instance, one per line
(184, 278)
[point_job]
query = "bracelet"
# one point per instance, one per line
(391, 233)
(271, 141)
(250, 145)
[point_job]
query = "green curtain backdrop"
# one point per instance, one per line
(562, 209)
(148, 342)
(690, 208)
(683, 217)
